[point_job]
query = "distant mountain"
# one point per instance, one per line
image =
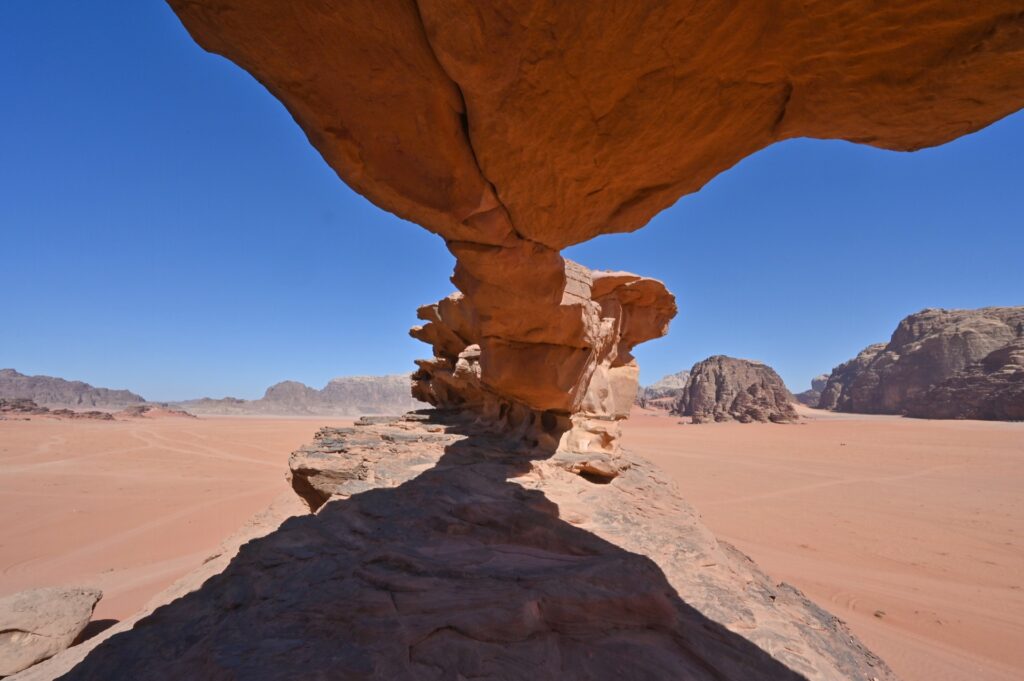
(663, 394)
(345, 396)
(48, 391)
(812, 397)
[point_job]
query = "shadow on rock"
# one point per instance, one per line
(458, 573)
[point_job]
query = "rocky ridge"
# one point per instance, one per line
(722, 388)
(48, 391)
(343, 396)
(513, 132)
(812, 397)
(938, 364)
(439, 550)
(663, 393)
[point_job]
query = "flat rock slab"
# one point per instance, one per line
(39, 623)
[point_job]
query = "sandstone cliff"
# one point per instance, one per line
(938, 364)
(724, 388)
(48, 391)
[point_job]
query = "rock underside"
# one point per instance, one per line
(938, 364)
(39, 623)
(439, 551)
(724, 388)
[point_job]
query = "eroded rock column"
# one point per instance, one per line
(540, 347)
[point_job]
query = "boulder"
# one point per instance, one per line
(724, 388)
(514, 130)
(39, 623)
(926, 350)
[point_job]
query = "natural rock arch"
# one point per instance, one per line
(516, 128)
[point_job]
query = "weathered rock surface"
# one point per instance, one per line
(812, 397)
(992, 389)
(39, 623)
(724, 388)
(516, 129)
(928, 349)
(48, 391)
(343, 396)
(459, 554)
(664, 393)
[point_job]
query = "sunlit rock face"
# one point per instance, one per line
(515, 129)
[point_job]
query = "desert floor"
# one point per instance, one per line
(131, 506)
(911, 531)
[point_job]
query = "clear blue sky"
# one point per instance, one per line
(165, 227)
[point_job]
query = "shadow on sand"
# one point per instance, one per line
(456, 574)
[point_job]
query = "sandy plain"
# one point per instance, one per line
(130, 506)
(909, 530)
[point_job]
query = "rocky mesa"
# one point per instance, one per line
(938, 364)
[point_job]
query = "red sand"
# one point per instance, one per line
(130, 506)
(909, 530)
(912, 531)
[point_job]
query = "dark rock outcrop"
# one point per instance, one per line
(927, 350)
(724, 388)
(664, 393)
(48, 391)
(442, 552)
(812, 397)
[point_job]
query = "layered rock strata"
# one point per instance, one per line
(938, 364)
(439, 551)
(724, 388)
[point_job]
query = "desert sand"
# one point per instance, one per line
(909, 530)
(131, 506)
